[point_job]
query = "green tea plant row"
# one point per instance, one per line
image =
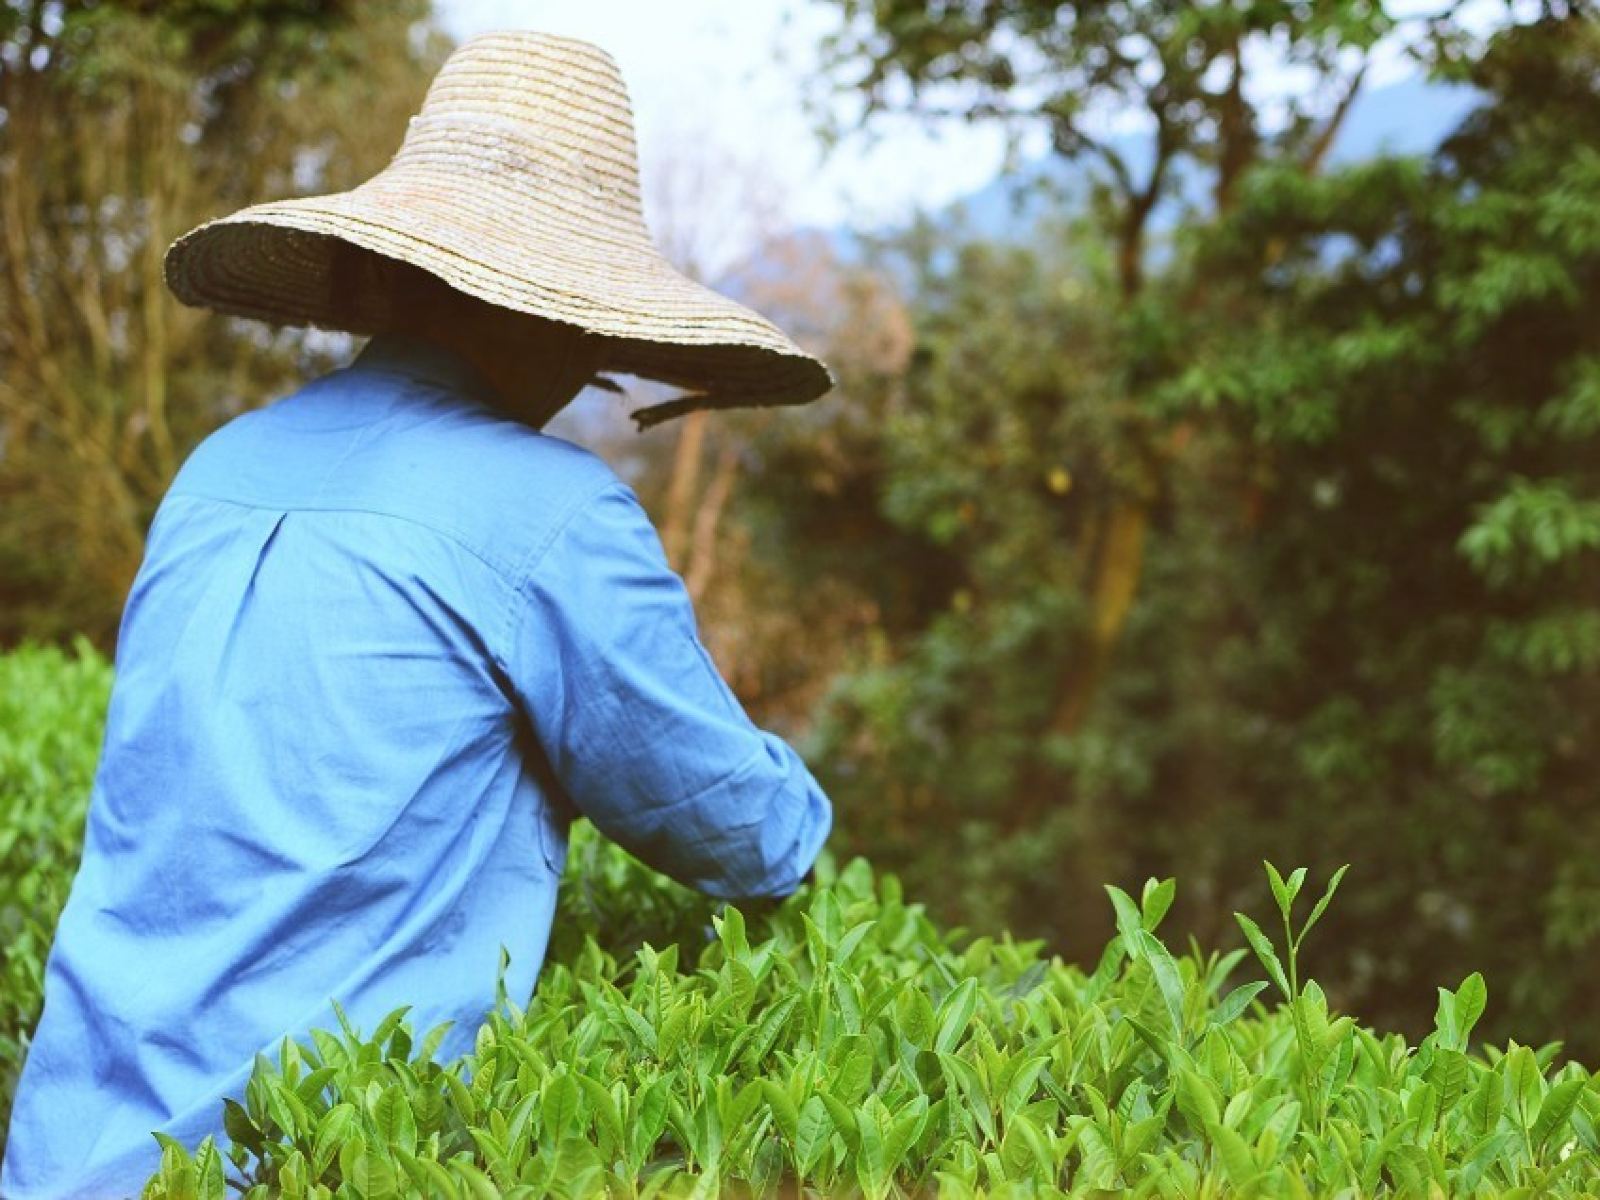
(841, 1044)
(52, 708)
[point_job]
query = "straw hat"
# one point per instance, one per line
(518, 184)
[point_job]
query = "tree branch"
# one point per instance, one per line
(1323, 143)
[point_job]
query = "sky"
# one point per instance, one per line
(732, 73)
(733, 70)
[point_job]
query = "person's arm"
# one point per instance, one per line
(637, 724)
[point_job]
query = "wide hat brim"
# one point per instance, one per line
(474, 207)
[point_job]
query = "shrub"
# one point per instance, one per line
(843, 1044)
(52, 707)
(836, 1043)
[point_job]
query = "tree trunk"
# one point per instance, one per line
(681, 488)
(1114, 587)
(703, 553)
(1116, 564)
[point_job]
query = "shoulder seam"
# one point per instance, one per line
(502, 568)
(536, 553)
(530, 565)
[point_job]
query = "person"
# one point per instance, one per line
(388, 638)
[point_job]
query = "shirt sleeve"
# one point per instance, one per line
(639, 727)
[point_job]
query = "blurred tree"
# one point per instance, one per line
(987, 480)
(719, 217)
(787, 611)
(710, 211)
(1194, 73)
(121, 125)
(1368, 624)
(1403, 663)
(1034, 459)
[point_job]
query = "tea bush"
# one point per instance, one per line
(841, 1043)
(844, 1045)
(52, 706)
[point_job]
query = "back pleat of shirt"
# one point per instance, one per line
(311, 787)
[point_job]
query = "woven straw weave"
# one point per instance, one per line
(517, 184)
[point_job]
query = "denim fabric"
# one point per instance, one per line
(384, 644)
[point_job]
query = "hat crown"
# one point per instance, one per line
(535, 111)
(517, 184)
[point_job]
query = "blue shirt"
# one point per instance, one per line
(384, 643)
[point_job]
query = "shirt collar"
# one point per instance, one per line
(419, 358)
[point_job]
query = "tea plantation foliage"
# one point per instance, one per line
(838, 1043)
(51, 708)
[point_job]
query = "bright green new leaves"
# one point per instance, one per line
(1262, 945)
(840, 1043)
(51, 708)
(1284, 892)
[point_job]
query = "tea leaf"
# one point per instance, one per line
(1265, 953)
(1236, 1002)
(335, 1128)
(812, 1130)
(1472, 997)
(955, 1014)
(1556, 1109)
(1322, 904)
(842, 1041)
(395, 1125)
(560, 1106)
